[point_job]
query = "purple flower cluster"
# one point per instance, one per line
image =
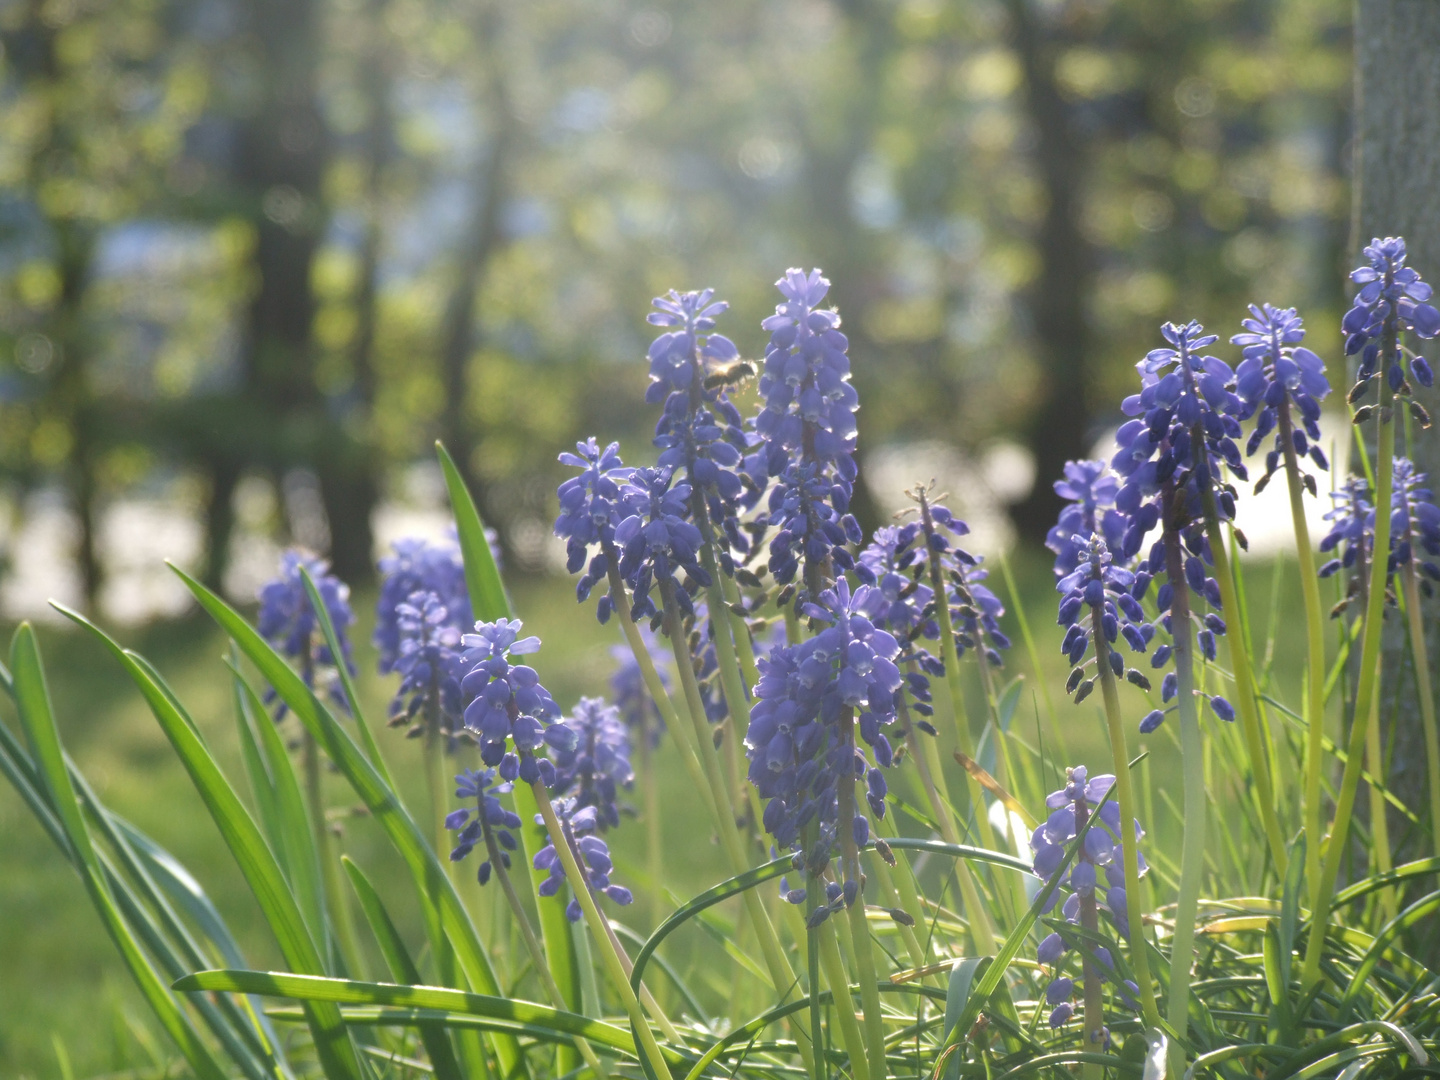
(592, 855)
(656, 539)
(1276, 373)
(491, 817)
(507, 707)
(632, 697)
(430, 664)
(598, 765)
(1353, 518)
(1414, 521)
(1097, 582)
(418, 566)
(797, 743)
(1392, 299)
(1090, 488)
(590, 509)
(288, 621)
(894, 564)
(1101, 851)
(974, 610)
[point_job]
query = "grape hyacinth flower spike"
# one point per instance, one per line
(579, 826)
(656, 540)
(1276, 374)
(590, 510)
(1098, 583)
(287, 620)
(510, 714)
(1414, 524)
(430, 663)
(491, 821)
(418, 566)
(1392, 299)
(598, 766)
(1089, 487)
(1082, 895)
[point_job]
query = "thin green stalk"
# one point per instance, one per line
(1427, 695)
(741, 631)
(1314, 660)
(1034, 654)
(843, 1005)
(1244, 685)
(859, 929)
(1092, 984)
(439, 788)
(613, 967)
(662, 1019)
(650, 786)
(1192, 753)
(346, 939)
(1369, 676)
(1125, 798)
(1379, 826)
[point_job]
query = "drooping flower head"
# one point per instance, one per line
(598, 765)
(1090, 489)
(1098, 583)
(1276, 373)
(592, 855)
(656, 540)
(590, 510)
(418, 566)
(1414, 522)
(490, 817)
(894, 563)
(431, 665)
(974, 610)
(509, 713)
(700, 430)
(1392, 299)
(801, 743)
(1101, 851)
(288, 621)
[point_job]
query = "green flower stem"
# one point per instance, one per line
(1125, 799)
(662, 1020)
(1315, 657)
(899, 890)
(654, 841)
(1017, 900)
(1427, 694)
(1244, 684)
(1369, 675)
(1192, 752)
(598, 926)
(1093, 1022)
(781, 974)
(532, 942)
(843, 1005)
(741, 632)
(1379, 826)
(859, 928)
(439, 789)
(927, 762)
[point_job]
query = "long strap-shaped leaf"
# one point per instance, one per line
(32, 696)
(446, 918)
(402, 968)
(352, 992)
(251, 853)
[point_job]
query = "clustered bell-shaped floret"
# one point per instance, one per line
(490, 816)
(1414, 521)
(418, 566)
(1353, 517)
(894, 563)
(1101, 852)
(1278, 371)
(1390, 292)
(1099, 583)
(430, 663)
(509, 713)
(1090, 489)
(592, 855)
(590, 509)
(288, 621)
(656, 539)
(809, 509)
(974, 610)
(598, 765)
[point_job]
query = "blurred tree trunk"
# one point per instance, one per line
(478, 245)
(1397, 51)
(1057, 420)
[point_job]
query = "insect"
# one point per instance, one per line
(729, 374)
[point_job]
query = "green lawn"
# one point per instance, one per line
(60, 981)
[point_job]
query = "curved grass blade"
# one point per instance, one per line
(352, 992)
(448, 926)
(402, 967)
(32, 698)
(634, 937)
(482, 576)
(1422, 909)
(1404, 872)
(252, 855)
(957, 996)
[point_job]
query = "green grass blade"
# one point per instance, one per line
(482, 576)
(402, 968)
(332, 641)
(446, 918)
(351, 992)
(253, 856)
(380, 1016)
(32, 698)
(294, 838)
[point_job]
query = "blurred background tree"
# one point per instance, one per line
(256, 255)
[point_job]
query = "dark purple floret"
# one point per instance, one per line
(508, 712)
(1276, 374)
(598, 766)
(418, 566)
(1391, 298)
(1098, 582)
(590, 509)
(592, 855)
(431, 665)
(491, 817)
(1414, 522)
(656, 540)
(1353, 526)
(288, 621)
(1091, 488)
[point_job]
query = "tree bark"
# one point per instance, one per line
(1397, 52)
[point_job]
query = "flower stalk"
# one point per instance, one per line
(1421, 656)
